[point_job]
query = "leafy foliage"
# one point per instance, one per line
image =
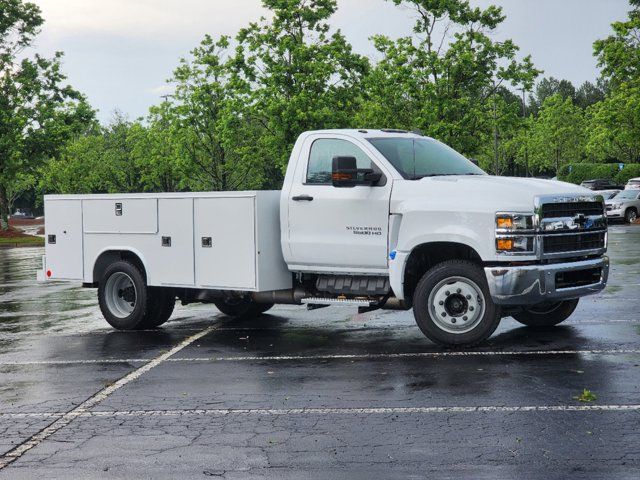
(239, 103)
(454, 90)
(38, 112)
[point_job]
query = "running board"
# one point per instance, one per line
(325, 302)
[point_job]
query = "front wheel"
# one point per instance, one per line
(452, 305)
(546, 314)
(631, 215)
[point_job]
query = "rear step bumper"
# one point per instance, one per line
(532, 284)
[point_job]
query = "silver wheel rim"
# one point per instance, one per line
(456, 305)
(632, 216)
(120, 295)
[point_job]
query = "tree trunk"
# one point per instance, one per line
(4, 209)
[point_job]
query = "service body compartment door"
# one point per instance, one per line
(225, 243)
(63, 228)
(172, 260)
(121, 215)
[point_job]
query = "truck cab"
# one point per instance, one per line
(368, 218)
(409, 203)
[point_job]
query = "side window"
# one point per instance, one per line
(321, 158)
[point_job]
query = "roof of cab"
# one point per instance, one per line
(368, 133)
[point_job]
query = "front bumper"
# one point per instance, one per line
(619, 213)
(532, 284)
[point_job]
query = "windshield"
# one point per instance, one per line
(416, 158)
(627, 195)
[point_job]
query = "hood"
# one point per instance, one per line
(479, 192)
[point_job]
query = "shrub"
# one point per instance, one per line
(629, 171)
(588, 171)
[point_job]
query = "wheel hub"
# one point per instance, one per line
(120, 295)
(456, 305)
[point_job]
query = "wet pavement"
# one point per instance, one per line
(320, 394)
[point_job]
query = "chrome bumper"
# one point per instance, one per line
(528, 285)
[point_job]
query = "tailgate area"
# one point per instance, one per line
(64, 240)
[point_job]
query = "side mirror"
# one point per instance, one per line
(474, 161)
(345, 173)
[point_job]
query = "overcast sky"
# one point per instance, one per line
(120, 52)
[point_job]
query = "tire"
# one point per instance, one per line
(631, 215)
(452, 304)
(242, 307)
(546, 314)
(163, 303)
(124, 298)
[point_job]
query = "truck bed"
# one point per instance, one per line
(211, 240)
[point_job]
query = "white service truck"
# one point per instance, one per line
(370, 218)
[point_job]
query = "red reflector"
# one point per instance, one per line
(49, 273)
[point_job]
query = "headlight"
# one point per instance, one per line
(515, 233)
(515, 244)
(616, 206)
(510, 222)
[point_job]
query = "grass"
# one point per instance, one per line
(27, 240)
(14, 237)
(586, 396)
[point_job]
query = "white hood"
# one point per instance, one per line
(478, 192)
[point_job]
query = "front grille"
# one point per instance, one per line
(574, 243)
(571, 209)
(578, 278)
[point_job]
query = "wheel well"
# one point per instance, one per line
(107, 258)
(425, 256)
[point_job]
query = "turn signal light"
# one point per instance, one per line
(504, 244)
(504, 222)
(341, 177)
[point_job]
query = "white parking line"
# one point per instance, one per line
(221, 412)
(356, 356)
(68, 417)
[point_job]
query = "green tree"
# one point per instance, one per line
(38, 113)
(448, 89)
(548, 87)
(557, 135)
(589, 94)
(615, 126)
(210, 125)
(619, 54)
(156, 151)
(298, 75)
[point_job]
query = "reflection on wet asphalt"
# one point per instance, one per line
(320, 394)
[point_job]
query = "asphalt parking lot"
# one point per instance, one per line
(320, 394)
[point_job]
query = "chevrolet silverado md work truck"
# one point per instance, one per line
(369, 218)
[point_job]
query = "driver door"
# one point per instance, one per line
(337, 229)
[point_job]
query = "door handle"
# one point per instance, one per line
(302, 198)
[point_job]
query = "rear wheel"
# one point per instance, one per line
(631, 215)
(546, 314)
(242, 307)
(124, 298)
(163, 303)
(452, 305)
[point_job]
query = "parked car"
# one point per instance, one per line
(625, 205)
(600, 184)
(609, 194)
(23, 214)
(368, 218)
(633, 184)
